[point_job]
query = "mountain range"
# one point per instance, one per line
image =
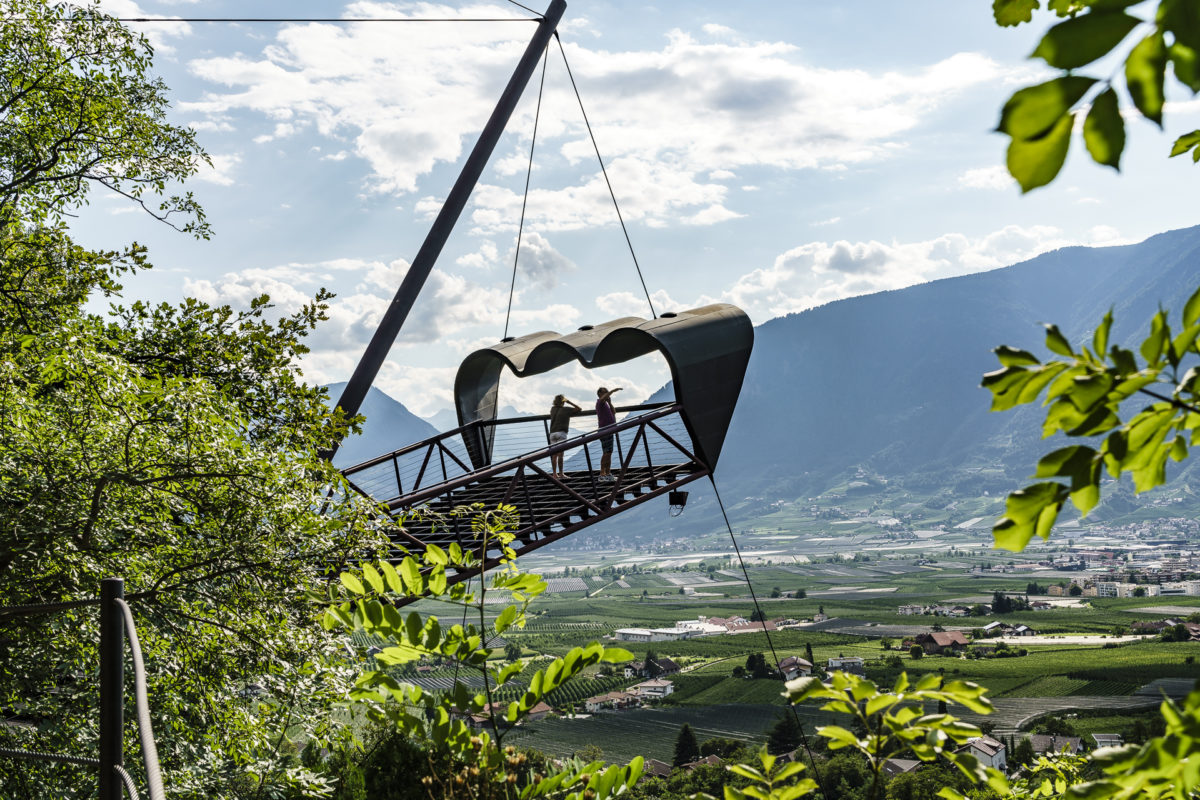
(888, 383)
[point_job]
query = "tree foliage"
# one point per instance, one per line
(173, 446)
(1040, 120)
(1087, 390)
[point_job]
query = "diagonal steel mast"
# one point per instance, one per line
(393, 319)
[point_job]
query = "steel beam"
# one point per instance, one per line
(393, 319)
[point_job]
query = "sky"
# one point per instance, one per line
(774, 155)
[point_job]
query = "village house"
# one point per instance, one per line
(1023, 630)
(853, 664)
(898, 766)
(911, 610)
(1040, 605)
(614, 700)
(996, 628)
(989, 752)
(1108, 739)
(656, 769)
(644, 669)
(655, 689)
(938, 642)
(794, 667)
(1045, 743)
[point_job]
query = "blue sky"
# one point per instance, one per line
(777, 155)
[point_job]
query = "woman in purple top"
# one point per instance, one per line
(605, 416)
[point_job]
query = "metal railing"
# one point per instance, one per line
(423, 466)
(116, 625)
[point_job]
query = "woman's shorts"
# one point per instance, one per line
(558, 436)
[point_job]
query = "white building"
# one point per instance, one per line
(911, 610)
(652, 634)
(653, 689)
(700, 627)
(989, 751)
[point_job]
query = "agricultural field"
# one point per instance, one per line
(621, 735)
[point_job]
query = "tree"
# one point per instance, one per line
(686, 748)
(800, 594)
(651, 662)
(887, 642)
(757, 615)
(512, 651)
(784, 736)
(776, 592)
(916, 651)
(808, 653)
(1039, 120)
(1076, 590)
(1140, 591)
(174, 446)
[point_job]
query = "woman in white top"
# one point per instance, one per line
(560, 422)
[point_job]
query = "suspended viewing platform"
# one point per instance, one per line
(657, 447)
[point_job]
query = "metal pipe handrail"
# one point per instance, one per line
(461, 429)
(145, 731)
(496, 469)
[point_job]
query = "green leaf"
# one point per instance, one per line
(411, 574)
(1155, 344)
(1182, 18)
(1036, 162)
(1056, 342)
(392, 577)
(351, 582)
(1144, 70)
(1191, 309)
(1013, 12)
(1033, 112)
(1012, 357)
(372, 576)
(1080, 41)
(1028, 511)
(616, 655)
(839, 737)
(1100, 337)
(1186, 64)
(1104, 132)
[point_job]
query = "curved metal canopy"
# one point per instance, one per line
(706, 348)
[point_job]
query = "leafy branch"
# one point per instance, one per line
(1084, 393)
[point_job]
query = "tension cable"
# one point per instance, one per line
(763, 619)
(603, 171)
(525, 198)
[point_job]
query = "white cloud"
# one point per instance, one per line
(628, 304)
(819, 272)
(412, 97)
(540, 263)
(158, 33)
(486, 256)
(830, 221)
(221, 171)
(987, 178)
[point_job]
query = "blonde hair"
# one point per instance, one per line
(559, 399)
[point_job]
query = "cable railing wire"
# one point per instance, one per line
(145, 731)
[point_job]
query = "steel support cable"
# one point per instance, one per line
(326, 20)
(527, 8)
(37, 755)
(145, 731)
(127, 780)
(604, 172)
(763, 618)
(525, 198)
(45, 608)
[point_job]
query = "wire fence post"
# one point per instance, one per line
(112, 687)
